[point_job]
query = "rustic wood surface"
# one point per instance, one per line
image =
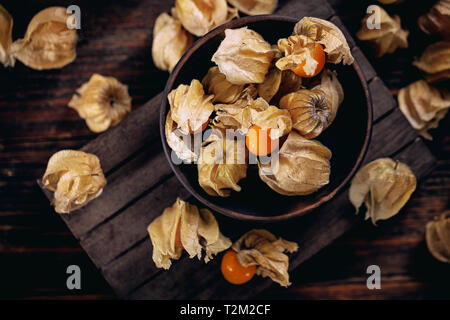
(36, 247)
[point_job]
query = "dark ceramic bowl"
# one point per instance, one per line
(348, 136)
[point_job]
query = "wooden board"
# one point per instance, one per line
(112, 229)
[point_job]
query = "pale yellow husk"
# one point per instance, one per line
(437, 237)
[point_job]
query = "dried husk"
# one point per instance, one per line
(264, 250)
(297, 50)
(179, 142)
(190, 107)
(255, 7)
(384, 185)
(102, 102)
(435, 62)
(245, 113)
(388, 38)
(310, 111)
(332, 88)
(201, 16)
(390, 1)
(424, 106)
(224, 91)
(437, 237)
(290, 82)
(243, 56)
(48, 43)
(170, 42)
(75, 177)
(6, 25)
(269, 88)
(329, 36)
(302, 168)
(198, 230)
(222, 165)
(437, 20)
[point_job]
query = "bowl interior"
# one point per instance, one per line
(346, 137)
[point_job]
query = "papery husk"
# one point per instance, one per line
(6, 25)
(390, 1)
(190, 107)
(302, 167)
(332, 88)
(310, 111)
(75, 177)
(179, 142)
(201, 16)
(255, 7)
(437, 235)
(384, 186)
(222, 165)
(435, 62)
(424, 106)
(198, 230)
(437, 20)
(297, 50)
(224, 91)
(170, 42)
(48, 43)
(290, 82)
(388, 38)
(248, 112)
(102, 102)
(272, 81)
(243, 56)
(264, 250)
(329, 36)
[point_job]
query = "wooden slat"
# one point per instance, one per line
(299, 9)
(383, 102)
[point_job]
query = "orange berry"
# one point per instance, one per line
(319, 56)
(258, 141)
(233, 271)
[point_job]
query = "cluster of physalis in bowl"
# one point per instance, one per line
(264, 104)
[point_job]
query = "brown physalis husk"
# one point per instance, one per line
(170, 42)
(437, 236)
(222, 165)
(247, 112)
(224, 91)
(297, 49)
(329, 36)
(390, 1)
(309, 110)
(6, 25)
(180, 143)
(264, 250)
(424, 106)
(302, 168)
(201, 16)
(437, 20)
(243, 56)
(190, 107)
(435, 62)
(75, 177)
(388, 37)
(384, 185)
(290, 82)
(268, 89)
(184, 226)
(255, 7)
(332, 88)
(48, 42)
(102, 102)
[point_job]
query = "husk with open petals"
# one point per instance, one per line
(6, 25)
(180, 143)
(243, 56)
(264, 250)
(437, 236)
(201, 16)
(424, 106)
(48, 42)
(329, 36)
(75, 177)
(386, 39)
(255, 7)
(102, 102)
(437, 20)
(435, 62)
(170, 42)
(302, 167)
(197, 230)
(384, 186)
(297, 49)
(217, 84)
(222, 165)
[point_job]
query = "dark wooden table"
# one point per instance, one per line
(35, 245)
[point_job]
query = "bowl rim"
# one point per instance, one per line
(241, 22)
